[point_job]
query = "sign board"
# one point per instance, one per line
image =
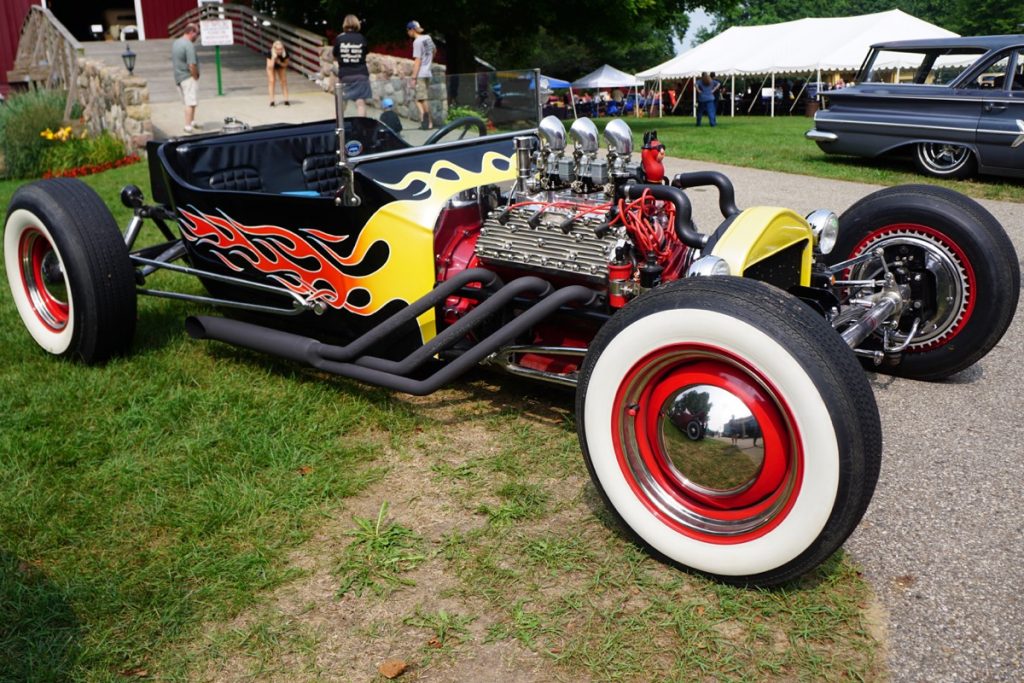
(216, 32)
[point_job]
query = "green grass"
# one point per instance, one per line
(779, 145)
(380, 552)
(151, 511)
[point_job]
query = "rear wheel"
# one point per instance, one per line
(69, 271)
(944, 160)
(958, 262)
(791, 449)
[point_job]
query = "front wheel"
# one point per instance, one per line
(958, 263)
(792, 442)
(69, 271)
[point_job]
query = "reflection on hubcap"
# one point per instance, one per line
(707, 444)
(728, 458)
(944, 157)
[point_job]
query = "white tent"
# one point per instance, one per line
(802, 46)
(606, 77)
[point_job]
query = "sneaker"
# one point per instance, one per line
(287, 103)
(189, 130)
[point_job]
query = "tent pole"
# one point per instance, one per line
(572, 98)
(732, 97)
(757, 95)
(636, 101)
(661, 94)
(773, 94)
(695, 97)
(676, 105)
(817, 93)
(797, 98)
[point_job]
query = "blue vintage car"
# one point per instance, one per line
(955, 104)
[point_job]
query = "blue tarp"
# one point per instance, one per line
(550, 83)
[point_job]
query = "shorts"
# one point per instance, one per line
(357, 88)
(189, 91)
(421, 88)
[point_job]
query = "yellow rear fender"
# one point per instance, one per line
(768, 243)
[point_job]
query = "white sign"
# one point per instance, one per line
(216, 32)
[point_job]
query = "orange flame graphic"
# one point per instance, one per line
(304, 261)
(281, 254)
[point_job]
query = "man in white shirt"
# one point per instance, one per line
(423, 56)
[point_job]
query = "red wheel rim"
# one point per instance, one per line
(956, 264)
(669, 478)
(42, 277)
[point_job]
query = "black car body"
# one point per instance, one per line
(957, 104)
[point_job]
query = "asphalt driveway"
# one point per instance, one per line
(943, 540)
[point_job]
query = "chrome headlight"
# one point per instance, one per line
(708, 265)
(825, 226)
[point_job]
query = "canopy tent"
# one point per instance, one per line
(802, 46)
(606, 76)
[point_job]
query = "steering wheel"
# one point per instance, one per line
(463, 123)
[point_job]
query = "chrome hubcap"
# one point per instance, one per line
(943, 157)
(45, 283)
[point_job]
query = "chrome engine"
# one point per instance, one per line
(554, 240)
(561, 217)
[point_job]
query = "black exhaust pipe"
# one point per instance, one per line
(369, 370)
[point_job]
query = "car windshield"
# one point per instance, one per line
(468, 105)
(934, 66)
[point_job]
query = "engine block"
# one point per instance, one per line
(552, 242)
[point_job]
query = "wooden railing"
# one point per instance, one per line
(257, 31)
(47, 56)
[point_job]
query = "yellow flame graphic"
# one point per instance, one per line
(407, 226)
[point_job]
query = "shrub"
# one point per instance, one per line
(21, 119)
(75, 151)
(458, 111)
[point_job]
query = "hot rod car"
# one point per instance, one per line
(405, 267)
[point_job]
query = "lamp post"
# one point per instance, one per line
(128, 57)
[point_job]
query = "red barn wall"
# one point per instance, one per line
(157, 14)
(12, 16)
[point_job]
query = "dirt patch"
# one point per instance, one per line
(352, 635)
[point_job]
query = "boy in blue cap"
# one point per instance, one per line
(388, 117)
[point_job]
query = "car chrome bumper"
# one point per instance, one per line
(820, 135)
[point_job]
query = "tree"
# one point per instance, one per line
(569, 37)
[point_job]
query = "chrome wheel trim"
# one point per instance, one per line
(943, 158)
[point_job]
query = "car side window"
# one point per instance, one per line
(993, 76)
(1018, 73)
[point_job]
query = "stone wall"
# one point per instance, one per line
(116, 102)
(390, 77)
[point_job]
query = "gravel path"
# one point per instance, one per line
(943, 540)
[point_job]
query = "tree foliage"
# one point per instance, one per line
(567, 38)
(966, 17)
